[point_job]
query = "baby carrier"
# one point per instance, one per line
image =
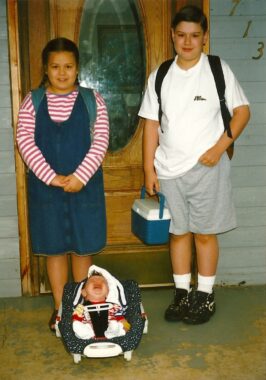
(103, 347)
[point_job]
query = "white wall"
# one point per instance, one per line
(243, 251)
(10, 284)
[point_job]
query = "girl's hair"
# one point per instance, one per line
(58, 45)
(191, 13)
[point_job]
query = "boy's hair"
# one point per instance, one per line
(191, 13)
(59, 44)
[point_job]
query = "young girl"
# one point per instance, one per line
(65, 180)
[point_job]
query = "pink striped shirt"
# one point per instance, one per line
(60, 108)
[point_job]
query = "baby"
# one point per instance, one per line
(100, 313)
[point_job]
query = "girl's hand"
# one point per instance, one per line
(211, 157)
(72, 184)
(58, 181)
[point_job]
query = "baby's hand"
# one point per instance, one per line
(126, 324)
(79, 310)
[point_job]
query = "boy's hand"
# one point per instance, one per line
(72, 184)
(211, 157)
(151, 182)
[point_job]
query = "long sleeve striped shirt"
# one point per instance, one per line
(60, 108)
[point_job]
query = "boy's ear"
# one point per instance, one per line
(205, 37)
(172, 33)
(83, 292)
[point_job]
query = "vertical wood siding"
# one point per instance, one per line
(238, 34)
(10, 284)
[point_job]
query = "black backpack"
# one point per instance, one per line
(217, 71)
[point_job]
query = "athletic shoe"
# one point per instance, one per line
(201, 307)
(179, 308)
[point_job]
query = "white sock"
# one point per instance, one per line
(182, 281)
(205, 283)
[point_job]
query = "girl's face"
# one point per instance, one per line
(62, 72)
(188, 39)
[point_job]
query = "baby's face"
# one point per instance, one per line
(96, 289)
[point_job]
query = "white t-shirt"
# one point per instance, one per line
(192, 121)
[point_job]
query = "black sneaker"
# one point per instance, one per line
(179, 308)
(202, 307)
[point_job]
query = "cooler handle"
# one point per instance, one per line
(161, 200)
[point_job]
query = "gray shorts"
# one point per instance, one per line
(201, 200)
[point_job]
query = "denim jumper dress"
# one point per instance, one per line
(63, 222)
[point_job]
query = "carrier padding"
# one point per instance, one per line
(133, 314)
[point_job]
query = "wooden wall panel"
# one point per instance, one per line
(8, 184)
(237, 31)
(38, 36)
(10, 281)
(10, 287)
(245, 271)
(14, 59)
(237, 48)
(240, 8)
(8, 205)
(6, 139)
(119, 217)
(5, 117)
(9, 249)
(65, 18)
(7, 164)
(125, 178)
(250, 196)
(250, 155)
(243, 176)
(256, 133)
(8, 227)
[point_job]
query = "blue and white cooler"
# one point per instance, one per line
(150, 220)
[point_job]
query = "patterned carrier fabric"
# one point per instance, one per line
(133, 315)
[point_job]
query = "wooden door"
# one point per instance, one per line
(124, 254)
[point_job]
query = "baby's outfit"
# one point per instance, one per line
(101, 320)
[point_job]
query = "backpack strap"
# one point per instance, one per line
(90, 102)
(36, 97)
(161, 73)
(217, 71)
(86, 93)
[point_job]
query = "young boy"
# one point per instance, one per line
(186, 158)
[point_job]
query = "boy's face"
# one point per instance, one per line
(188, 39)
(96, 289)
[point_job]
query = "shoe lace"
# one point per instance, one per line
(199, 302)
(181, 297)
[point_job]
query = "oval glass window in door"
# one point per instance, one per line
(112, 61)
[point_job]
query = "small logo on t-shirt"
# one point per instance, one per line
(198, 98)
